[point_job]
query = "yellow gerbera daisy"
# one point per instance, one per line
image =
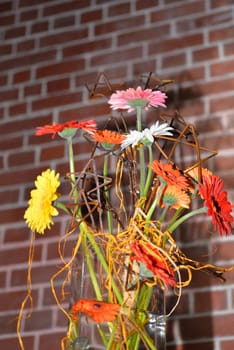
(40, 209)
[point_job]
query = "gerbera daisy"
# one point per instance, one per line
(38, 215)
(147, 135)
(194, 173)
(131, 98)
(175, 198)
(154, 261)
(216, 201)
(108, 137)
(169, 175)
(99, 311)
(87, 125)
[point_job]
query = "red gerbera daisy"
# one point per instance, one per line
(154, 261)
(216, 201)
(170, 175)
(87, 125)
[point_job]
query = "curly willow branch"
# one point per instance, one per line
(28, 296)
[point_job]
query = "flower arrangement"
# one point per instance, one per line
(125, 205)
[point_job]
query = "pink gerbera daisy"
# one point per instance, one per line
(131, 98)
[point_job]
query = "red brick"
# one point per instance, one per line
(191, 24)
(205, 54)
(62, 22)
(90, 16)
(221, 104)
(174, 60)
(223, 164)
(3, 80)
(140, 5)
(15, 32)
(176, 43)
(229, 49)
(19, 158)
(58, 85)
(227, 344)
(119, 24)
(197, 345)
(26, 3)
(13, 343)
(40, 274)
(39, 320)
(223, 251)
(2, 279)
(11, 178)
(21, 76)
(221, 34)
(187, 75)
(214, 87)
(17, 109)
(143, 35)
(38, 27)
(220, 3)
(65, 6)
(6, 20)
(119, 9)
(222, 68)
(88, 46)
(31, 90)
(60, 68)
(50, 341)
(53, 152)
(54, 101)
(26, 45)
(18, 234)
(5, 49)
(8, 256)
(181, 10)
(9, 95)
(9, 196)
(210, 301)
(51, 40)
(12, 300)
(84, 112)
(5, 6)
(117, 56)
(27, 60)
(222, 325)
(148, 65)
(28, 15)
(11, 143)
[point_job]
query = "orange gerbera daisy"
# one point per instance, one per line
(169, 175)
(194, 173)
(108, 136)
(154, 261)
(99, 311)
(175, 198)
(216, 201)
(87, 125)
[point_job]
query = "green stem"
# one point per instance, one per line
(149, 174)
(105, 173)
(177, 223)
(154, 204)
(105, 265)
(91, 269)
(141, 153)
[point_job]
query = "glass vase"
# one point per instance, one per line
(86, 333)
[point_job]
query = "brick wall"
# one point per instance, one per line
(48, 50)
